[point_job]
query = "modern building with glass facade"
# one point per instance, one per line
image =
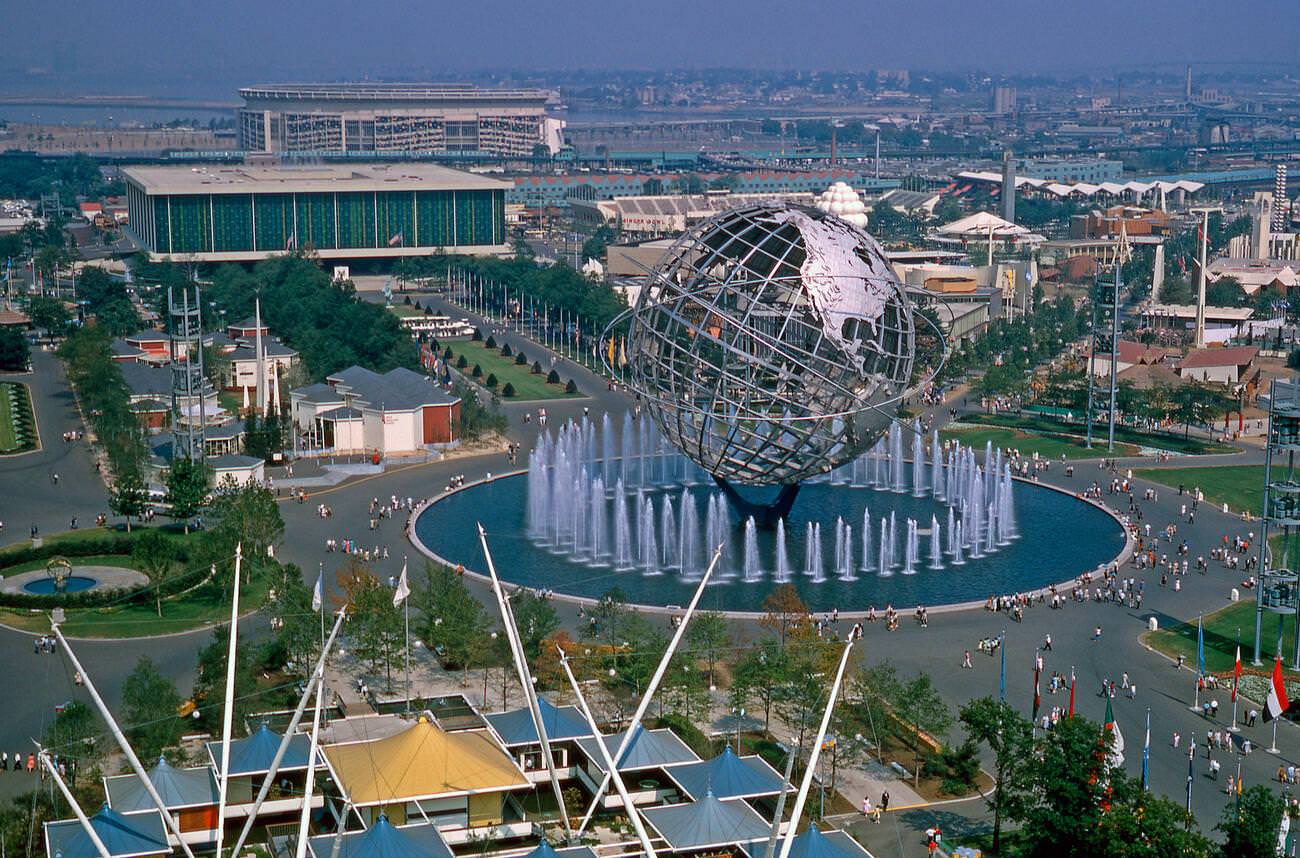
(245, 213)
(415, 119)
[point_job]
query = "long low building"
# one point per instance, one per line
(244, 213)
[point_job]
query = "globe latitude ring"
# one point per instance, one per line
(769, 343)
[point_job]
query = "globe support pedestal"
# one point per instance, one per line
(764, 514)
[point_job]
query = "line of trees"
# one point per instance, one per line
(104, 398)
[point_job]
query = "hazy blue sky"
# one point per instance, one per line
(180, 43)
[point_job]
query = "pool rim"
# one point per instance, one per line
(1130, 546)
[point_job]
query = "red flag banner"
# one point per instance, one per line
(1277, 700)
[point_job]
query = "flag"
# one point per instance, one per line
(1117, 738)
(1071, 693)
(1038, 699)
(318, 592)
(1146, 754)
(395, 240)
(1277, 702)
(1236, 674)
(1200, 649)
(403, 589)
(290, 242)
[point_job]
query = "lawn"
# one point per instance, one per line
(1241, 487)
(1221, 630)
(15, 411)
(527, 385)
(1047, 425)
(1046, 446)
(205, 605)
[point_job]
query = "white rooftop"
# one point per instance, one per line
(243, 179)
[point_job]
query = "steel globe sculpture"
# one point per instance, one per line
(771, 345)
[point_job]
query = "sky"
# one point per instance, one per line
(202, 47)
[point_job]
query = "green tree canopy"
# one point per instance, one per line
(152, 702)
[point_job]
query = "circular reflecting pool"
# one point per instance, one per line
(71, 584)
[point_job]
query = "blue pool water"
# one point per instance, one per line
(1060, 537)
(73, 584)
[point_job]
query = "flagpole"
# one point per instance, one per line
(1002, 673)
(406, 608)
(1191, 756)
(320, 581)
(1146, 754)
(1200, 664)
(1236, 672)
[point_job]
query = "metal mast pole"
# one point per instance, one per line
(123, 743)
(1114, 339)
(634, 726)
(44, 757)
(525, 680)
(227, 717)
(305, 821)
(1092, 365)
(1200, 280)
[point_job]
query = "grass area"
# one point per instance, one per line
(119, 560)
(1128, 435)
(1241, 487)
(1046, 446)
(17, 426)
(205, 605)
(1221, 630)
(527, 385)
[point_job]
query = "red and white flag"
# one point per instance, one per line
(1277, 702)
(1236, 674)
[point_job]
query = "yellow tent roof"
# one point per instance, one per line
(421, 762)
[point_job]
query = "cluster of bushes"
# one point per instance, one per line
(20, 407)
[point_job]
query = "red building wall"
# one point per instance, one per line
(441, 423)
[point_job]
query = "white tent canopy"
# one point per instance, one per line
(979, 224)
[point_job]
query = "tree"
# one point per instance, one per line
(247, 514)
(707, 636)
(154, 553)
(296, 626)
(75, 735)
(187, 486)
(152, 703)
(919, 705)
(508, 391)
(758, 676)
(1071, 776)
(571, 387)
(50, 258)
(129, 498)
(1139, 824)
(476, 372)
(948, 209)
(1250, 825)
(552, 377)
(452, 622)
(997, 726)
(210, 681)
(15, 352)
(536, 618)
(48, 313)
(784, 612)
(799, 699)
(375, 625)
(492, 382)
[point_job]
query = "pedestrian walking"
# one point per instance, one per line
(965, 659)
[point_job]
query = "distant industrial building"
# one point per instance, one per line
(547, 191)
(244, 213)
(1003, 99)
(668, 214)
(1091, 170)
(397, 118)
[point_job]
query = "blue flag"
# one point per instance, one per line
(1146, 755)
(1200, 648)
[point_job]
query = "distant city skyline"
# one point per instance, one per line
(205, 49)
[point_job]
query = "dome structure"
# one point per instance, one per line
(845, 203)
(772, 345)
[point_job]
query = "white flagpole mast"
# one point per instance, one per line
(610, 768)
(634, 726)
(809, 772)
(227, 717)
(525, 680)
(318, 675)
(76, 808)
(123, 743)
(311, 775)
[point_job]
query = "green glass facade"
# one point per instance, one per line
(180, 224)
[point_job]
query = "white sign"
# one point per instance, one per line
(341, 272)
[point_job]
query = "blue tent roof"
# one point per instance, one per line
(727, 776)
(123, 835)
(649, 749)
(544, 850)
(385, 840)
(562, 722)
(178, 788)
(254, 754)
(706, 824)
(814, 844)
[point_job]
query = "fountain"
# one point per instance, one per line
(782, 554)
(622, 530)
(752, 572)
(936, 552)
(909, 552)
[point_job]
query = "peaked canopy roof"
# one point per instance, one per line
(728, 776)
(813, 844)
(422, 761)
(124, 835)
(562, 722)
(384, 840)
(253, 755)
(707, 823)
(978, 225)
(179, 788)
(650, 749)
